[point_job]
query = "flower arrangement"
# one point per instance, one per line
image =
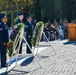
(12, 39)
(10, 48)
(39, 25)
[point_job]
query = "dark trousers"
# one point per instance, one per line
(20, 50)
(29, 42)
(3, 54)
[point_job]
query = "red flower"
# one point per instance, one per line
(8, 45)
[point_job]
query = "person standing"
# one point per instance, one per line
(4, 38)
(46, 30)
(29, 32)
(65, 28)
(20, 18)
(61, 33)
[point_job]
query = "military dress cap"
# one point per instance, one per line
(20, 13)
(2, 16)
(27, 16)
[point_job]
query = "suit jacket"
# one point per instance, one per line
(4, 37)
(29, 29)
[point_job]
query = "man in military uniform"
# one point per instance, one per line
(4, 38)
(20, 18)
(29, 32)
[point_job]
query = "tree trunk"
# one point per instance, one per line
(52, 10)
(45, 7)
(37, 10)
(12, 17)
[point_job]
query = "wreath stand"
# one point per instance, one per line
(39, 38)
(49, 43)
(19, 39)
(16, 48)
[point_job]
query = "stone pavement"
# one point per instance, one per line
(64, 63)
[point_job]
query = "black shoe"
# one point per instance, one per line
(29, 52)
(6, 65)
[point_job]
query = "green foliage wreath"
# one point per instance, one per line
(38, 29)
(12, 39)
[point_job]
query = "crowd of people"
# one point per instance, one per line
(56, 30)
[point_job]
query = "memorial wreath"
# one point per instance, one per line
(12, 38)
(38, 29)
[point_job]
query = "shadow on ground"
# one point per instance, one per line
(70, 42)
(27, 61)
(42, 57)
(43, 46)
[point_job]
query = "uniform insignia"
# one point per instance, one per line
(26, 26)
(1, 29)
(0, 23)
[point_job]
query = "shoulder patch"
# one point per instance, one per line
(1, 29)
(26, 26)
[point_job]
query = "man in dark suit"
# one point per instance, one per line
(4, 38)
(29, 32)
(20, 18)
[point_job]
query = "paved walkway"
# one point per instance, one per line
(64, 63)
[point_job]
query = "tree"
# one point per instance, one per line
(56, 9)
(66, 10)
(45, 10)
(12, 6)
(73, 8)
(37, 9)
